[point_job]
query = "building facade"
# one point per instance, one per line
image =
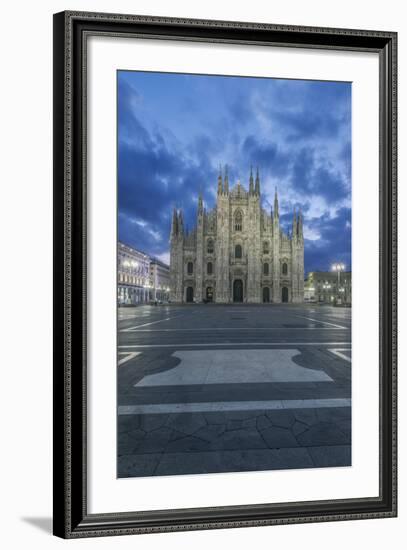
(159, 281)
(328, 287)
(237, 252)
(133, 276)
(141, 278)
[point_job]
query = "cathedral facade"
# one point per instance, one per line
(237, 252)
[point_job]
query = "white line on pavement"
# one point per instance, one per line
(228, 344)
(336, 317)
(131, 329)
(127, 356)
(338, 351)
(322, 322)
(230, 328)
(221, 406)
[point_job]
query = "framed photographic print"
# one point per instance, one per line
(225, 274)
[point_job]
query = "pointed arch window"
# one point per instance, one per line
(284, 269)
(238, 221)
(238, 251)
(209, 246)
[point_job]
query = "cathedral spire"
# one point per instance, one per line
(300, 226)
(220, 186)
(226, 189)
(257, 187)
(174, 223)
(251, 187)
(276, 214)
(180, 223)
(295, 224)
(200, 202)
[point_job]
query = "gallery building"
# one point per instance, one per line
(133, 276)
(159, 281)
(237, 252)
(140, 277)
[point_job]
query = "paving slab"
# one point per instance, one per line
(233, 461)
(277, 438)
(140, 465)
(331, 456)
(323, 434)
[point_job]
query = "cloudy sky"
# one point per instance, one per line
(174, 130)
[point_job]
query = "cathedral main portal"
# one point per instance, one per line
(238, 290)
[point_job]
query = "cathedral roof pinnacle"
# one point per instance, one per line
(251, 187)
(300, 224)
(200, 203)
(257, 188)
(220, 186)
(174, 222)
(226, 180)
(294, 224)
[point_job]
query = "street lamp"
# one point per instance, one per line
(338, 267)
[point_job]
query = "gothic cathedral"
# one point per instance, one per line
(237, 252)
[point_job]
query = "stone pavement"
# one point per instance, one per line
(205, 389)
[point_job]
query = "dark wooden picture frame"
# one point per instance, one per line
(71, 518)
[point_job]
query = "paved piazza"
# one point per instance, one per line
(218, 388)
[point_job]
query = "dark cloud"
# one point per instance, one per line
(172, 138)
(311, 178)
(265, 155)
(335, 244)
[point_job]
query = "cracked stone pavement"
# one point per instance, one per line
(202, 390)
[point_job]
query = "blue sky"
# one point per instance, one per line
(174, 130)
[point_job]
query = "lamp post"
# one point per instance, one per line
(338, 267)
